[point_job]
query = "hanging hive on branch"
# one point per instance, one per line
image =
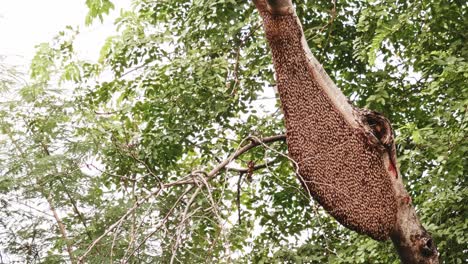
(345, 156)
(340, 157)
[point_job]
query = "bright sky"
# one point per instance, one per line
(26, 23)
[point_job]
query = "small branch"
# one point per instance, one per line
(256, 167)
(181, 225)
(237, 63)
(254, 142)
(239, 183)
(133, 230)
(113, 226)
(330, 29)
(75, 208)
(46, 151)
(116, 233)
(235, 72)
(188, 180)
(61, 226)
(33, 208)
(134, 69)
(150, 170)
(162, 222)
(140, 225)
(222, 165)
(107, 113)
(88, 165)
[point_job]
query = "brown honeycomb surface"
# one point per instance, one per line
(339, 168)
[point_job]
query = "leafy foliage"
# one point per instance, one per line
(179, 89)
(97, 8)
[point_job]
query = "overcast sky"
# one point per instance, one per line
(26, 23)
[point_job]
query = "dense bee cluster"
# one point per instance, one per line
(337, 165)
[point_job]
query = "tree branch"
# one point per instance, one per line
(163, 221)
(188, 180)
(315, 112)
(254, 168)
(254, 142)
(61, 226)
(109, 229)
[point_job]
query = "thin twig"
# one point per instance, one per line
(222, 165)
(235, 72)
(239, 183)
(61, 226)
(254, 168)
(188, 180)
(163, 221)
(330, 25)
(179, 229)
(113, 226)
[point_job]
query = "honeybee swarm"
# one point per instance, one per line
(342, 171)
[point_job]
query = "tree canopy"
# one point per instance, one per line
(118, 159)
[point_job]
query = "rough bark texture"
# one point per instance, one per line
(345, 156)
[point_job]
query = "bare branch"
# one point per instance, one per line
(61, 226)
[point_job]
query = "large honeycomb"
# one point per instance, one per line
(337, 164)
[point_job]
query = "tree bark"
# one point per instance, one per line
(345, 156)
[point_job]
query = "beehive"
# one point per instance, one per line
(339, 167)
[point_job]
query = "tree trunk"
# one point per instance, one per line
(345, 156)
